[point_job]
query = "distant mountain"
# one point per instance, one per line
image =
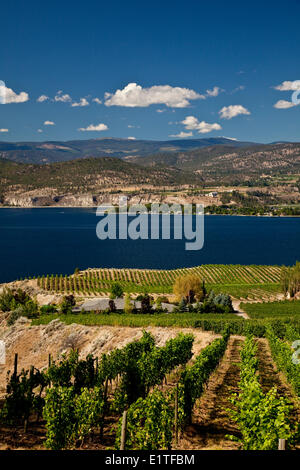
(59, 151)
(86, 175)
(228, 164)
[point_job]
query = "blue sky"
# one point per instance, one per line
(192, 69)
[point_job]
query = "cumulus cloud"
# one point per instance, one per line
(214, 92)
(288, 86)
(49, 123)
(94, 127)
(64, 98)
(97, 100)
(4, 130)
(7, 95)
(192, 123)
(229, 112)
(133, 95)
(42, 98)
(131, 138)
(81, 103)
(282, 104)
(39, 130)
(182, 135)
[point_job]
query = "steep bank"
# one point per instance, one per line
(34, 343)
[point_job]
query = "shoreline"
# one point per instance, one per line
(95, 207)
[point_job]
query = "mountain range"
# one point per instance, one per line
(60, 151)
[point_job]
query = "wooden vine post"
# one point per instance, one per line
(16, 365)
(282, 444)
(104, 408)
(123, 431)
(176, 415)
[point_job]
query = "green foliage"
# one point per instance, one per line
(22, 398)
(149, 423)
(70, 417)
(11, 299)
(262, 418)
(116, 290)
(290, 279)
(280, 309)
(48, 309)
(150, 368)
(59, 414)
(15, 314)
(67, 303)
(195, 376)
(283, 355)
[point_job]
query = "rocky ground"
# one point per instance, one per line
(34, 343)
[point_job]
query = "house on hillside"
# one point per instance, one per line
(103, 304)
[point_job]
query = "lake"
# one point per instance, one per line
(57, 240)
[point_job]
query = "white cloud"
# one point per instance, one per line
(97, 100)
(92, 127)
(288, 86)
(182, 135)
(4, 130)
(7, 95)
(131, 138)
(39, 130)
(42, 98)
(49, 123)
(229, 112)
(282, 104)
(192, 123)
(214, 92)
(64, 98)
(133, 95)
(239, 88)
(82, 102)
(160, 110)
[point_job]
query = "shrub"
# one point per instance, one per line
(48, 309)
(190, 287)
(67, 303)
(15, 314)
(116, 290)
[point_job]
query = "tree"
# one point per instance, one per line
(182, 305)
(127, 304)
(67, 303)
(190, 287)
(116, 290)
(290, 280)
(224, 300)
(112, 306)
(146, 304)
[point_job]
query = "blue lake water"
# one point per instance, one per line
(56, 240)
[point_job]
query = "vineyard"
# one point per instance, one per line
(147, 397)
(264, 280)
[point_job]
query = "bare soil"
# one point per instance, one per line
(211, 421)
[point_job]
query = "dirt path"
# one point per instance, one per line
(211, 422)
(238, 311)
(271, 377)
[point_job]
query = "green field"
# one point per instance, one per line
(183, 320)
(253, 282)
(283, 309)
